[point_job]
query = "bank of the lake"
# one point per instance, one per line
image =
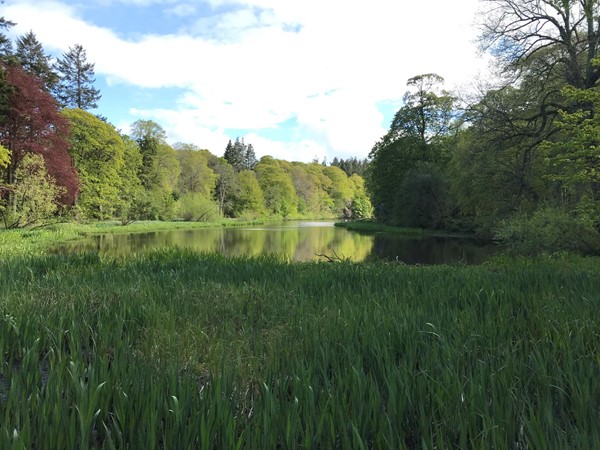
(173, 349)
(37, 240)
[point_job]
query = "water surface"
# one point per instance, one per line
(294, 241)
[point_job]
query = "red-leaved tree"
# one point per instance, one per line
(33, 124)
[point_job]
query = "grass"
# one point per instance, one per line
(175, 350)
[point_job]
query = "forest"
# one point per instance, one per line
(518, 162)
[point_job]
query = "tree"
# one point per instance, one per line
(4, 157)
(98, 155)
(235, 154)
(418, 134)
(249, 199)
(341, 189)
(34, 194)
(278, 188)
(226, 186)
(196, 175)
(574, 156)
(141, 129)
(250, 158)
(132, 188)
(564, 33)
(33, 124)
(75, 87)
(5, 42)
(29, 53)
(148, 135)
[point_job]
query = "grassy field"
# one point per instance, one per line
(175, 350)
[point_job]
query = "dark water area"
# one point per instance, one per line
(294, 241)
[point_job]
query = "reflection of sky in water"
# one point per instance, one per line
(296, 241)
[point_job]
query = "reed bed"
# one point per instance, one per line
(175, 350)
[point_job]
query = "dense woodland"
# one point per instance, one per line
(520, 162)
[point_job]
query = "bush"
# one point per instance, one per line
(548, 230)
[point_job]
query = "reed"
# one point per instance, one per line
(175, 350)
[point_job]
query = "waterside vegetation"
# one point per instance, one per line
(172, 349)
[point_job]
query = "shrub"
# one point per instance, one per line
(548, 230)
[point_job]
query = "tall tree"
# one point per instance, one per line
(33, 124)
(29, 53)
(418, 136)
(75, 87)
(249, 158)
(98, 155)
(277, 187)
(565, 33)
(235, 154)
(5, 42)
(149, 135)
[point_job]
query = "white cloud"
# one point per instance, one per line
(182, 10)
(327, 64)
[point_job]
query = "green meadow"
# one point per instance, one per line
(176, 350)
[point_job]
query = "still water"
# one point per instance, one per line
(295, 241)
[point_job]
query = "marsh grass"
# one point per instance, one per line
(175, 350)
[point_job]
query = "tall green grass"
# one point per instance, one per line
(174, 350)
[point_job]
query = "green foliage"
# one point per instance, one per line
(361, 207)
(132, 188)
(340, 190)
(574, 157)
(154, 204)
(178, 350)
(4, 157)
(196, 175)
(418, 134)
(548, 230)
(423, 199)
(34, 195)
(195, 206)
(98, 153)
(277, 187)
(249, 200)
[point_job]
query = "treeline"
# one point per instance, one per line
(521, 163)
(57, 158)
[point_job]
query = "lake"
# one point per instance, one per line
(295, 241)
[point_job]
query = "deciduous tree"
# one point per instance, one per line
(33, 124)
(98, 155)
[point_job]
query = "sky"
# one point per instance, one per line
(298, 79)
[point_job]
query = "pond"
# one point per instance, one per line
(295, 241)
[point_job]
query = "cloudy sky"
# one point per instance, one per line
(299, 79)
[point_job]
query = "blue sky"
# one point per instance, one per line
(299, 79)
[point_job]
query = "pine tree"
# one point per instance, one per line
(249, 157)
(29, 53)
(5, 43)
(235, 154)
(75, 87)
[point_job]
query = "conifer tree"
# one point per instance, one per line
(75, 87)
(235, 154)
(249, 158)
(29, 53)
(5, 43)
